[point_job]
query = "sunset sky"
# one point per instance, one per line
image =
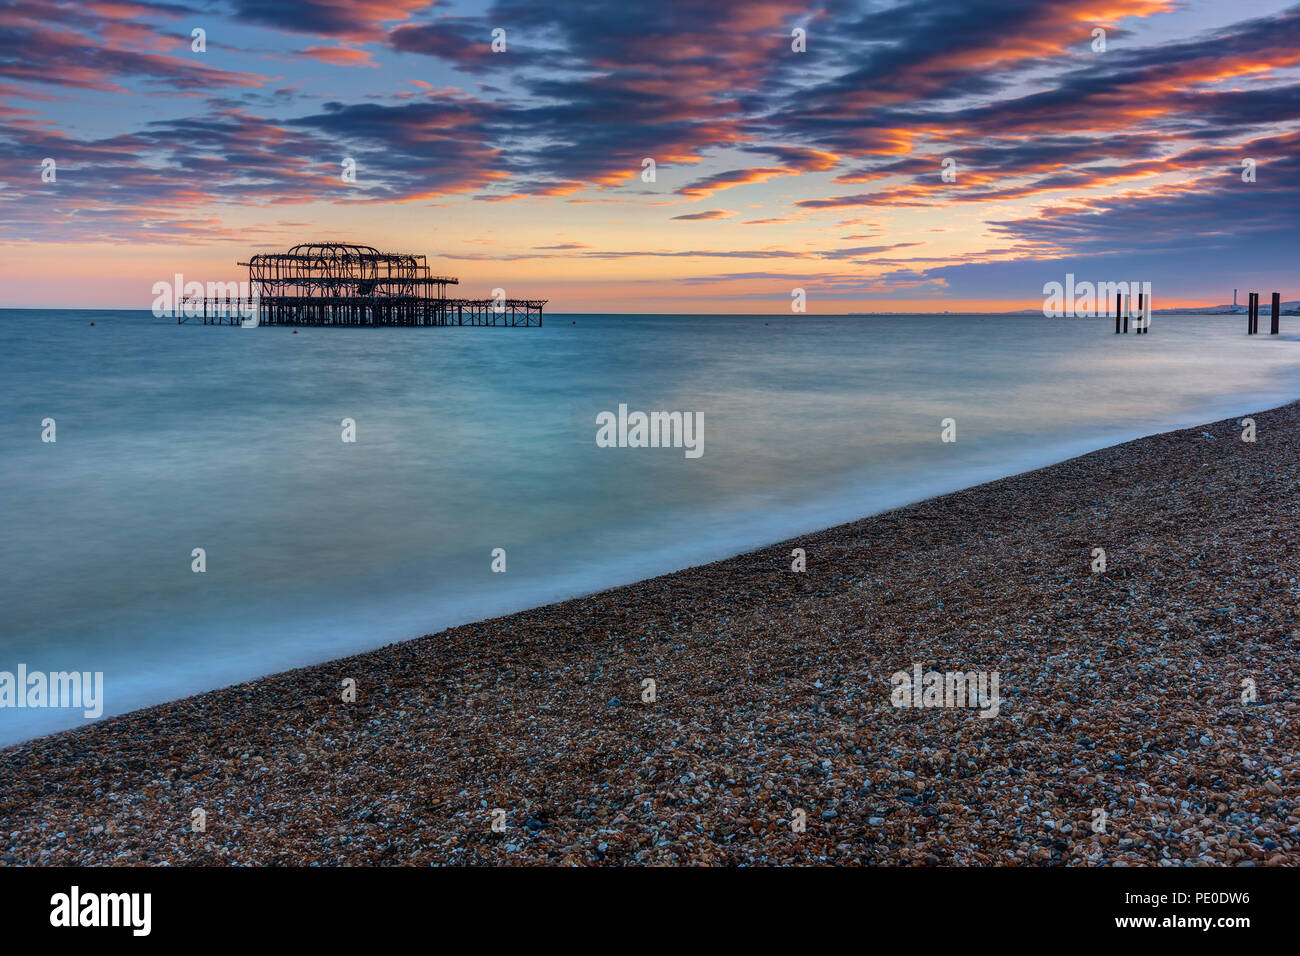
(774, 169)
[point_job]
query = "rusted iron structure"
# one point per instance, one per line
(339, 283)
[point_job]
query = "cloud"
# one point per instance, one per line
(709, 185)
(340, 56)
(711, 214)
(1059, 151)
(98, 47)
(356, 20)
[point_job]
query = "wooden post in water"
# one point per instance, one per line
(1128, 306)
(1140, 329)
(1253, 310)
(1118, 310)
(1276, 325)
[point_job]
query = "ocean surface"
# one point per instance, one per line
(171, 438)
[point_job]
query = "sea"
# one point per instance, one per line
(199, 518)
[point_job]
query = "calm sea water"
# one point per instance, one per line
(171, 438)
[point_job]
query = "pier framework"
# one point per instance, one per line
(337, 283)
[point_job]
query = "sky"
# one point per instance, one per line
(903, 155)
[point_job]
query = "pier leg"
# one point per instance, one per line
(1276, 325)
(1118, 312)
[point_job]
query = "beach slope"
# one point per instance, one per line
(1147, 713)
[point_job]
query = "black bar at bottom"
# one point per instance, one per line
(239, 905)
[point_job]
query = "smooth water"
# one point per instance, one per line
(171, 438)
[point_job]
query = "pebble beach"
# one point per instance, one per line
(1147, 712)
